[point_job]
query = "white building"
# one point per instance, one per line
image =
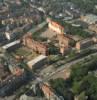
(37, 62)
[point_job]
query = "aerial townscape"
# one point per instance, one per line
(48, 49)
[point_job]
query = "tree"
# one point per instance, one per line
(82, 96)
(76, 88)
(62, 88)
(78, 72)
(89, 84)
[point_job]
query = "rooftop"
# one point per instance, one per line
(85, 41)
(90, 18)
(11, 44)
(37, 59)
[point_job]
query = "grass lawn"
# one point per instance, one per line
(22, 52)
(27, 53)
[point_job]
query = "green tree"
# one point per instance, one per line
(62, 88)
(89, 84)
(82, 96)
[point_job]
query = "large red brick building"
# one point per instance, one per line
(55, 26)
(64, 42)
(35, 45)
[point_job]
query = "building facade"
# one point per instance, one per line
(55, 26)
(83, 44)
(38, 62)
(35, 45)
(63, 44)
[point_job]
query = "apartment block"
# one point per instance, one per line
(55, 26)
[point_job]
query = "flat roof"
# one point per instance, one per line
(85, 41)
(37, 59)
(11, 44)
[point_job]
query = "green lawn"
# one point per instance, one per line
(22, 52)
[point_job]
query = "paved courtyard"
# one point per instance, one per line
(48, 34)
